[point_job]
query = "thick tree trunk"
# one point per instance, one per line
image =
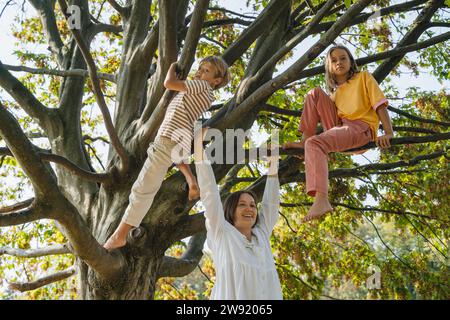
(137, 282)
(145, 249)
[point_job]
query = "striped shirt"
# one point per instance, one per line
(182, 112)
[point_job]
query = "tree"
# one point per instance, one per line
(122, 64)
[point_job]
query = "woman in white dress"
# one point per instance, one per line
(239, 236)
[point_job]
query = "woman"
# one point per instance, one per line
(238, 236)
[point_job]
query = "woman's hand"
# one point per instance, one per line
(384, 140)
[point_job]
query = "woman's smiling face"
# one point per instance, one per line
(246, 212)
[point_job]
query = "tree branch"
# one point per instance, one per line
(188, 226)
(22, 149)
(224, 22)
(285, 49)
(24, 97)
(34, 253)
(370, 145)
(21, 217)
(173, 267)
(380, 56)
(117, 7)
(361, 209)
(263, 21)
(148, 47)
(212, 40)
(358, 171)
(50, 203)
(185, 62)
(167, 54)
(28, 286)
(45, 8)
(420, 25)
(73, 168)
(416, 118)
(361, 18)
(387, 247)
(60, 73)
(115, 142)
(17, 206)
(193, 35)
(413, 129)
(439, 25)
(229, 11)
(69, 165)
(278, 82)
(104, 27)
(273, 109)
(134, 69)
(5, 6)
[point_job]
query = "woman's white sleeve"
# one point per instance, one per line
(209, 194)
(270, 204)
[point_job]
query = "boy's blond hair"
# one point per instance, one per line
(221, 69)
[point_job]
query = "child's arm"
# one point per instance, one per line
(383, 115)
(172, 82)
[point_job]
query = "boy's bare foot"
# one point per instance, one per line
(119, 238)
(194, 192)
(320, 207)
(114, 242)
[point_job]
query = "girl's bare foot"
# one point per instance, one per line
(194, 192)
(320, 207)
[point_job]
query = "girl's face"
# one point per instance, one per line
(246, 212)
(208, 72)
(340, 62)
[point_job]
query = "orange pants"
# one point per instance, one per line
(339, 135)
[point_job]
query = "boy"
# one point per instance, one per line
(193, 98)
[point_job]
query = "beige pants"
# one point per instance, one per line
(149, 180)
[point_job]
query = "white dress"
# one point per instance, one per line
(245, 270)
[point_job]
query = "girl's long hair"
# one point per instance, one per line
(329, 77)
(231, 202)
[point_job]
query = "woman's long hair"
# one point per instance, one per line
(329, 77)
(231, 202)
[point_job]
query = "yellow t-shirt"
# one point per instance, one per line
(359, 98)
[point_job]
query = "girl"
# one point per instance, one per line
(238, 235)
(350, 118)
